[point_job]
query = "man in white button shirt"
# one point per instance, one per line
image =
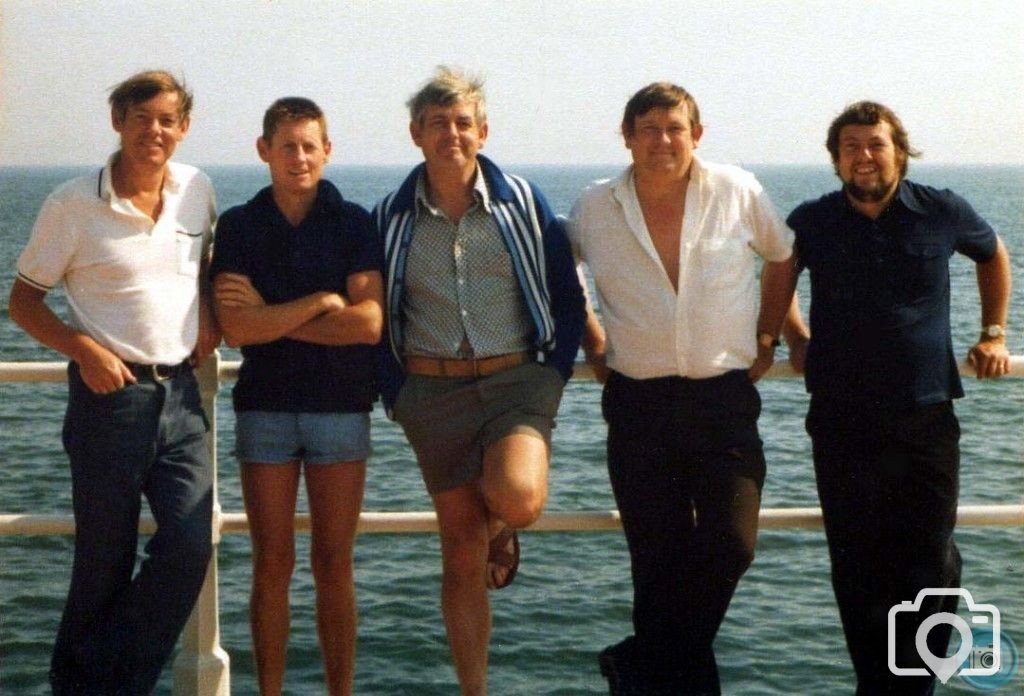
(128, 242)
(672, 244)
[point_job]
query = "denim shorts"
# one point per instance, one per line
(274, 437)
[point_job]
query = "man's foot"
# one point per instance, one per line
(502, 559)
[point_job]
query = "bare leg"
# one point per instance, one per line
(269, 491)
(462, 519)
(514, 485)
(335, 494)
(512, 491)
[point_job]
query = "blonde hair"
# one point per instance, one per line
(446, 87)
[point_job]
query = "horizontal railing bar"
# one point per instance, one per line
(56, 371)
(586, 520)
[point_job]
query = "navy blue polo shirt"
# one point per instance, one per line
(880, 329)
(284, 263)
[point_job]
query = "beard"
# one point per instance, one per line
(872, 194)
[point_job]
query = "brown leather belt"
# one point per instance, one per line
(442, 367)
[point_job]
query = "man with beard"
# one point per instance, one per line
(882, 375)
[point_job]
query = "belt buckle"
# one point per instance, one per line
(158, 372)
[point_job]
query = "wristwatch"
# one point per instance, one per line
(766, 340)
(993, 331)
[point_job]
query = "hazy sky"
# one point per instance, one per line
(769, 75)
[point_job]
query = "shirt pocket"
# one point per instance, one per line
(923, 270)
(189, 248)
(724, 263)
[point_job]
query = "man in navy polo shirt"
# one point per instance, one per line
(297, 285)
(882, 375)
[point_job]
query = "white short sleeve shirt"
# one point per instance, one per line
(709, 326)
(131, 284)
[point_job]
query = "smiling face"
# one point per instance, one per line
(449, 136)
(869, 163)
(662, 141)
(296, 154)
(151, 130)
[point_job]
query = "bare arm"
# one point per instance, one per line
(778, 281)
(102, 371)
(361, 320)
(246, 319)
(990, 356)
(594, 345)
(209, 330)
(797, 336)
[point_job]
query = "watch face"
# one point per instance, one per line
(993, 331)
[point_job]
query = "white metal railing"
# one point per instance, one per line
(202, 666)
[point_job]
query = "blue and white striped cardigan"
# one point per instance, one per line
(541, 258)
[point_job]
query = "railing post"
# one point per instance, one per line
(202, 667)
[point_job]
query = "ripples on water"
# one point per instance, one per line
(572, 596)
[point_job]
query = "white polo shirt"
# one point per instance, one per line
(708, 327)
(131, 284)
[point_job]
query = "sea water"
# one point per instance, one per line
(572, 596)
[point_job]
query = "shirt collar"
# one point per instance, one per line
(904, 196)
(480, 192)
(623, 188)
(105, 182)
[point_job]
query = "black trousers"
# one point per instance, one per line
(888, 483)
(687, 468)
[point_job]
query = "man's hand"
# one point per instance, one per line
(209, 334)
(102, 371)
(597, 359)
(235, 290)
(762, 363)
(990, 358)
(797, 345)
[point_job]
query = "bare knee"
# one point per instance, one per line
(517, 508)
(272, 569)
(464, 556)
(330, 564)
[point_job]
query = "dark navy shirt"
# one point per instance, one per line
(284, 263)
(880, 329)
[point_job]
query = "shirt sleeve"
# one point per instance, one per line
(228, 247)
(974, 238)
(772, 238)
(366, 249)
(50, 249)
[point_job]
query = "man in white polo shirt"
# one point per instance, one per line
(672, 245)
(129, 243)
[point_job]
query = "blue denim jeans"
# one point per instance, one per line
(148, 439)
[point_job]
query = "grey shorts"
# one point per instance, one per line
(450, 421)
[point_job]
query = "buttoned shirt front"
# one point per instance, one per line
(880, 294)
(709, 326)
(131, 283)
(462, 298)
